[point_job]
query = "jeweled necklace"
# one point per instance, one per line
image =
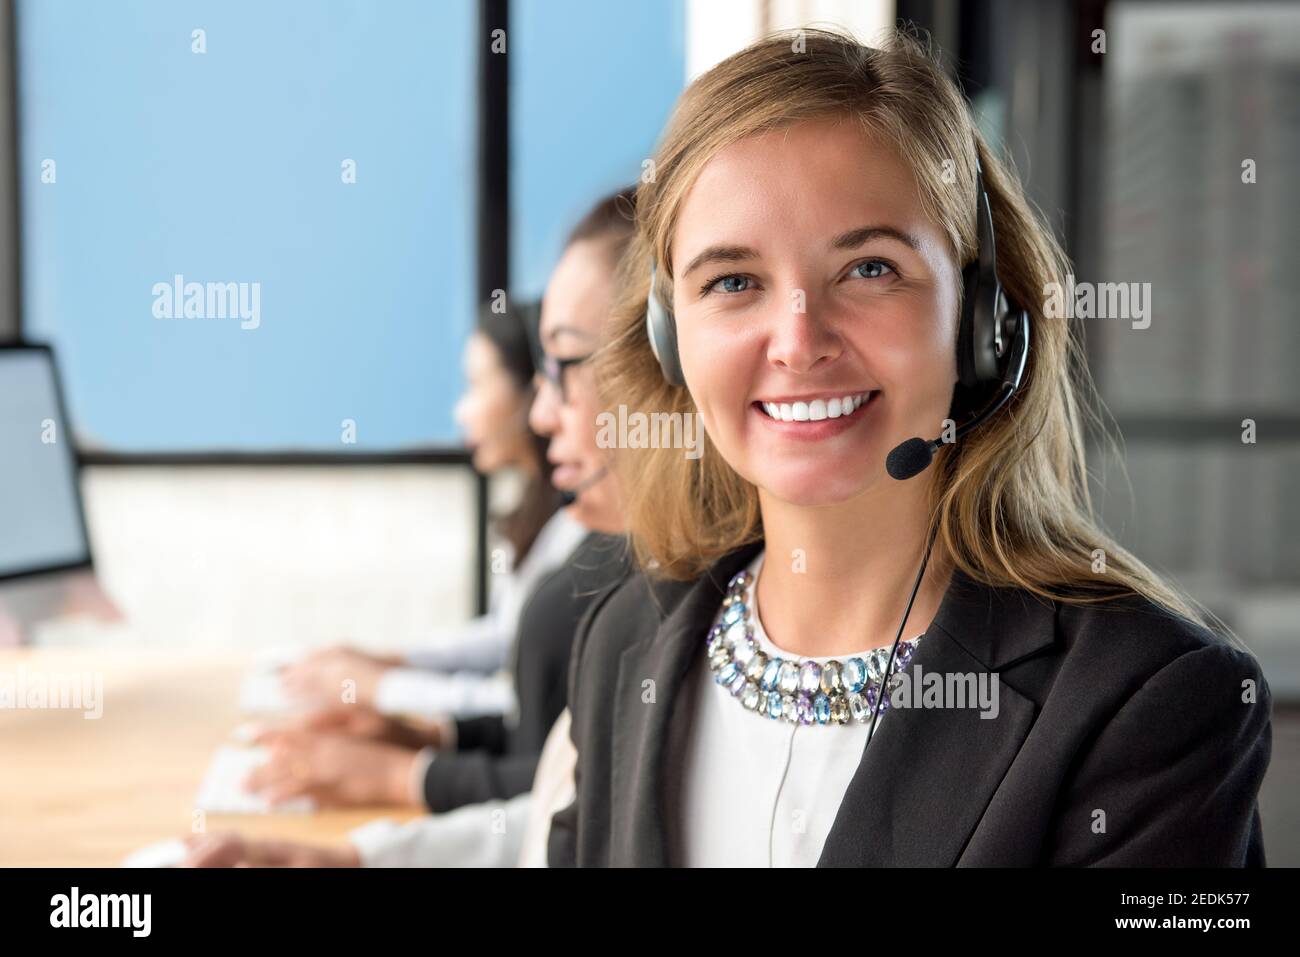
(797, 691)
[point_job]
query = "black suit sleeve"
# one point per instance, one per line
(1171, 780)
(496, 760)
(472, 777)
(487, 733)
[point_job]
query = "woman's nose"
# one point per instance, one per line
(543, 416)
(799, 336)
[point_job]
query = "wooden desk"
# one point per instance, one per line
(78, 792)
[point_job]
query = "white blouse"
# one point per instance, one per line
(758, 792)
(755, 792)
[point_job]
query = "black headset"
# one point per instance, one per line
(992, 340)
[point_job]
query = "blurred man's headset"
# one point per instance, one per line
(992, 341)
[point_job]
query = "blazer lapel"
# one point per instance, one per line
(643, 713)
(928, 775)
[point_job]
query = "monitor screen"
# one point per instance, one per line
(41, 525)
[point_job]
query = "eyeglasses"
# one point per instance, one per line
(552, 370)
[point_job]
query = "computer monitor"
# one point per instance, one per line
(42, 525)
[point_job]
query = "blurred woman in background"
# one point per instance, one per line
(460, 673)
(479, 768)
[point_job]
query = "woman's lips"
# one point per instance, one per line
(815, 429)
(566, 475)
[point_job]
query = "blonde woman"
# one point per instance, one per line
(852, 645)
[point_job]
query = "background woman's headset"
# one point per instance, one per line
(992, 341)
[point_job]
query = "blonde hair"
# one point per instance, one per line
(1010, 502)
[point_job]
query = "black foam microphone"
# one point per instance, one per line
(910, 458)
(569, 496)
(915, 455)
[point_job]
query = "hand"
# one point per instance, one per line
(356, 721)
(334, 771)
(322, 675)
(231, 850)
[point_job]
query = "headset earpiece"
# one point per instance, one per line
(661, 330)
(989, 321)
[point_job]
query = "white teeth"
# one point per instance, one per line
(816, 410)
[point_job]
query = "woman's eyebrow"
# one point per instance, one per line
(856, 237)
(849, 240)
(721, 254)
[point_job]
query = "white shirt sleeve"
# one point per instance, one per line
(477, 835)
(461, 694)
(492, 834)
(481, 644)
(553, 790)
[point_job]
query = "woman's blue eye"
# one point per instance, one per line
(730, 284)
(875, 269)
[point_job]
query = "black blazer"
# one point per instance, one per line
(495, 759)
(1121, 709)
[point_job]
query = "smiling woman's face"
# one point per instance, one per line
(805, 275)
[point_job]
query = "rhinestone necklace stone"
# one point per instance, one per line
(792, 690)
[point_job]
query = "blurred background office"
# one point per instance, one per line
(379, 169)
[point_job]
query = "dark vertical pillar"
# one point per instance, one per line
(493, 207)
